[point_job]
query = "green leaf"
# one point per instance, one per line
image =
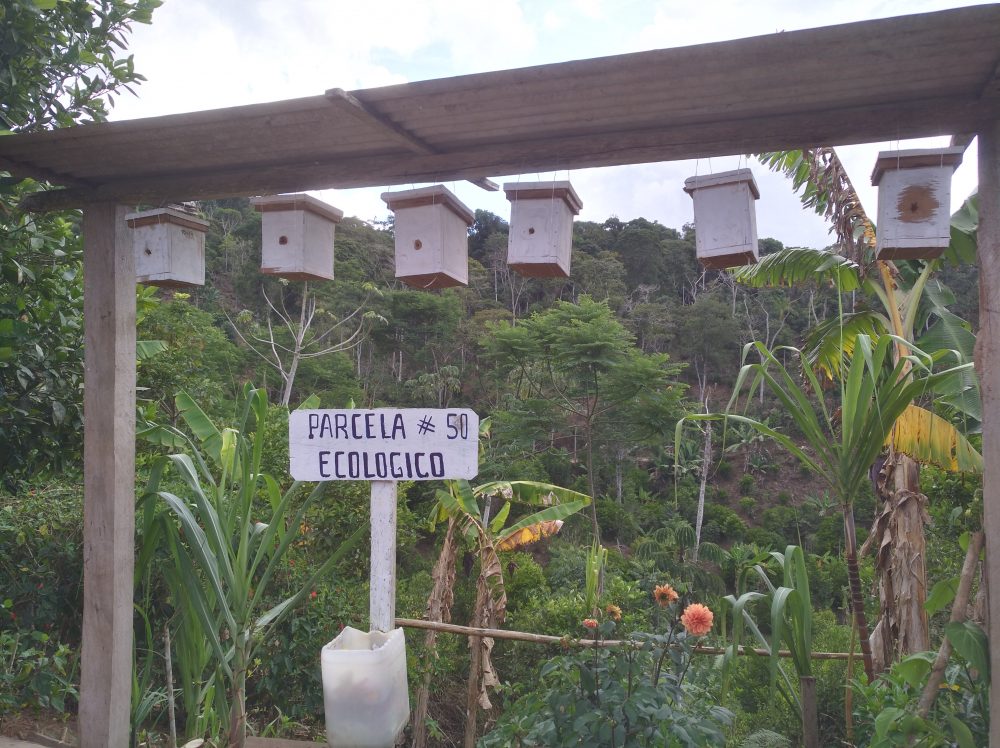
(914, 669)
(797, 265)
(961, 731)
(146, 349)
(971, 643)
(201, 425)
(941, 595)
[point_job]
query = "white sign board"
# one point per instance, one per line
(385, 444)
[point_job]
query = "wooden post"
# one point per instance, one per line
(810, 716)
(108, 477)
(382, 574)
(988, 368)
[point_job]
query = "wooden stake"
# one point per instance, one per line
(988, 369)
(957, 616)
(108, 477)
(810, 716)
(382, 595)
(567, 641)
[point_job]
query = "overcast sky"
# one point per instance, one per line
(204, 54)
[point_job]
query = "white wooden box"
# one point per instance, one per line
(914, 202)
(432, 237)
(169, 246)
(725, 220)
(540, 240)
(297, 234)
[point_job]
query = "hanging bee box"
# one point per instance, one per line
(914, 202)
(169, 246)
(541, 227)
(297, 233)
(724, 218)
(432, 237)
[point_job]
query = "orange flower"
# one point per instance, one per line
(697, 619)
(664, 594)
(614, 611)
(590, 623)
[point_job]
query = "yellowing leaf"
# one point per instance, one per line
(928, 438)
(530, 534)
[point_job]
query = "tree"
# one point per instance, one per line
(909, 301)
(285, 352)
(582, 362)
(489, 534)
(61, 59)
(61, 64)
(844, 438)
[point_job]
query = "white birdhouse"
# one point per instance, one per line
(724, 218)
(297, 236)
(432, 237)
(914, 202)
(541, 227)
(169, 246)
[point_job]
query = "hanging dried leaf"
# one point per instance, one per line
(928, 438)
(528, 535)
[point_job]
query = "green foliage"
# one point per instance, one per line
(632, 695)
(886, 711)
(41, 336)
(35, 672)
(199, 359)
(746, 484)
(41, 560)
(62, 63)
(790, 621)
(222, 558)
(62, 59)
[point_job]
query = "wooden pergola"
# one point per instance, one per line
(907, 77)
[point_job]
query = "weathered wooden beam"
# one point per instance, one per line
(665, 143)
(370, 115)
(988, 369)
(43, 175)
(962, 140)
(382, 575)
(487, 184)
(108, 476)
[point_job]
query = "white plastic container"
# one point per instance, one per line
(364, 688)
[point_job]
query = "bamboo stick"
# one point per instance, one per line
(568, 641)
(957, 616)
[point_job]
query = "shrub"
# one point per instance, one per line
(783, 521)
(35, 672)
(784, 498)
(617, 522)
(634, 695)
(746, 484)
(731, 525)
(748, 504)
(41, 560)
(724, 469)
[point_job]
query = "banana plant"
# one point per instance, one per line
(906, 298)
(841, 444)
(467, 510)
(224, 559)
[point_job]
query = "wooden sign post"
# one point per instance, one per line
(384, 446)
